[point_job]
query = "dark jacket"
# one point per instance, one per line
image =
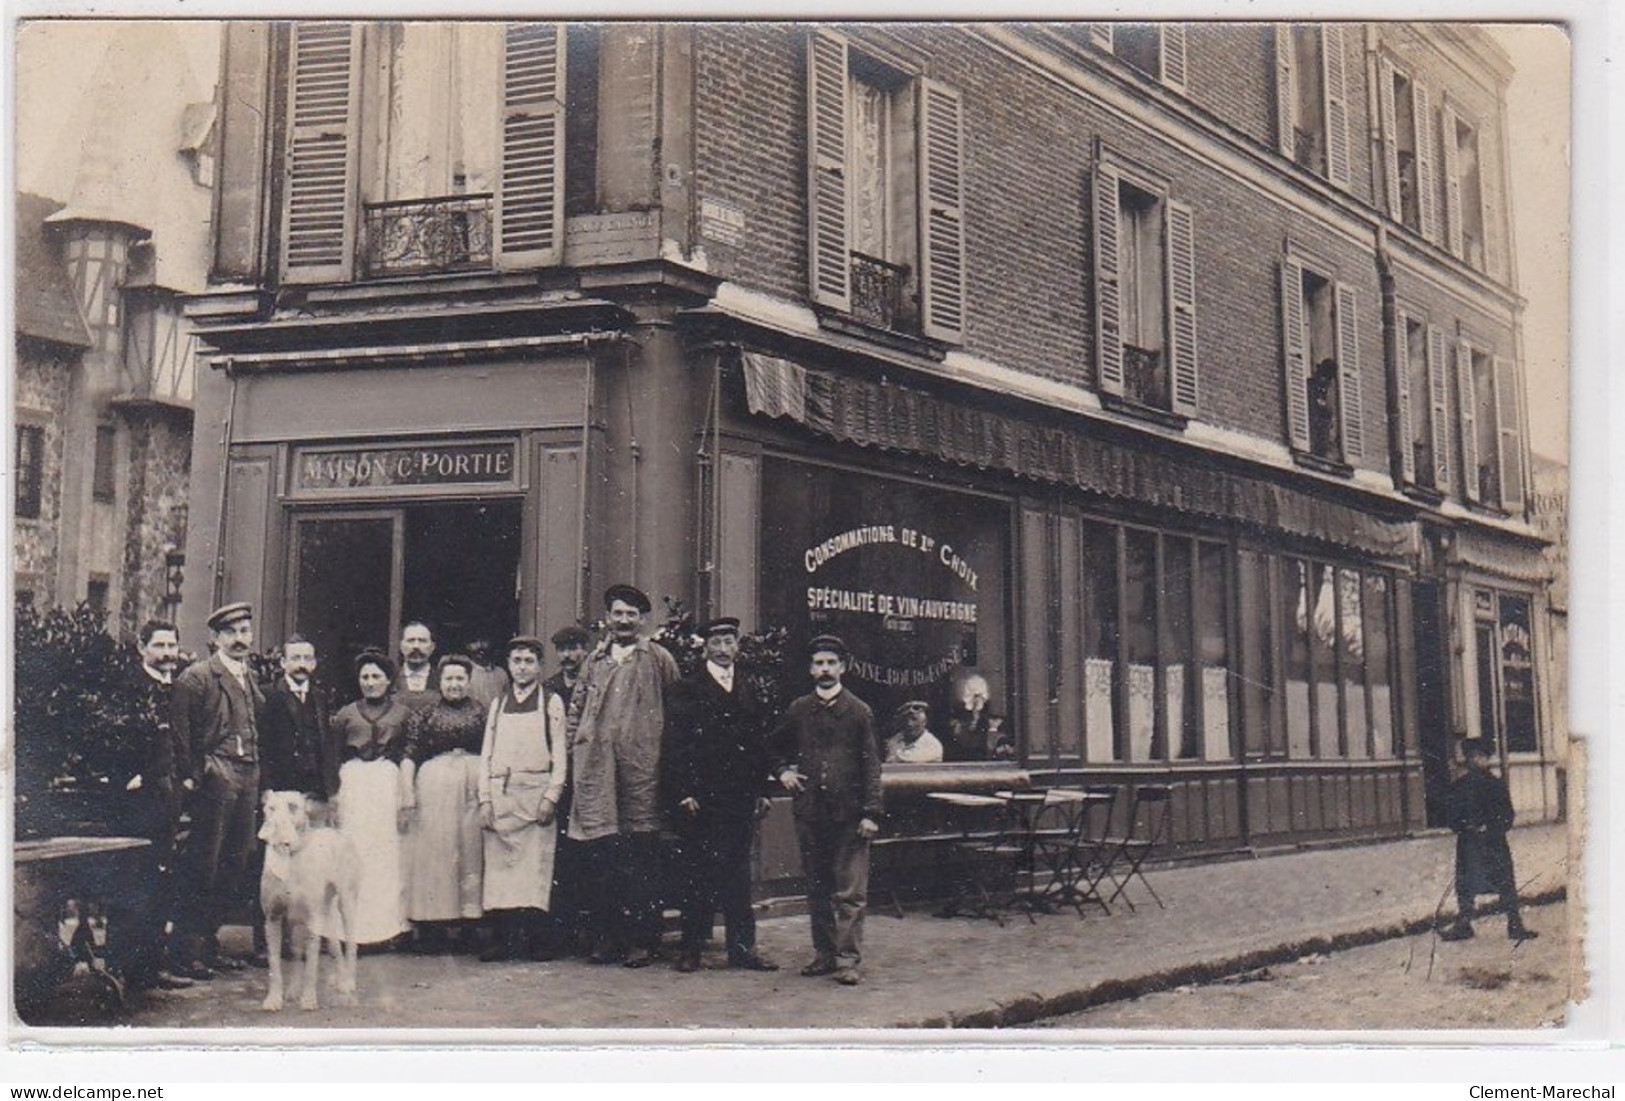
(163, 759)
(299, 750)
(1480, 811)
(716, 747)
(209, 711)
(834, 746)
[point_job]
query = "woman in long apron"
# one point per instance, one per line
(440, 809)
(522, 768)
(374, 732)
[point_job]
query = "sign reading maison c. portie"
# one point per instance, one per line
(420, 465)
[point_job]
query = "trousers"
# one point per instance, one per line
(218, 848)
(836, 862)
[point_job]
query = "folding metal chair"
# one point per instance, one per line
(1088, 862)
(1147, 829)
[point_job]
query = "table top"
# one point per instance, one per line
(58, 848)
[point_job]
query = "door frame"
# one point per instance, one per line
(302, 514)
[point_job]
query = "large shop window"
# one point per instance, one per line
(1506, 671)
(1156, 659)
(913, 579)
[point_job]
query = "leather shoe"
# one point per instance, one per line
(227, 963)
(259, 960)
(848, 976)
(823, 965)
(638, 957)
(1457, 932)
(689, 961)
(194, 970)
(753, 962)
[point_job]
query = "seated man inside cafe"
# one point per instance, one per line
(913, 743)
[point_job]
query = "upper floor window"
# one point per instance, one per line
(1407, 139)
(886, 192)
(1156, 49)
(1320, 346)
(103, 482)
(1491, 428)
(30, 471)
(1145, 293)
(444, 151)
(1465, 210)
(1423, 402)
(1311, 90)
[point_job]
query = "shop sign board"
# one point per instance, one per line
(486, 463)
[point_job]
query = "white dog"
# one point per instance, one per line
(311, 879)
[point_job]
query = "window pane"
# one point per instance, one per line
(1140, 640)
(30, 470)
(1518, 676)
(1486, 430)
(1323, 656)
(1484, 648)
(1258, 713)
(102, 472)
(1296, 612)
(1352, 624)
(1377, 658)
(1179, 701)
(1213, 652)
(1100, 633)
(1416, 367)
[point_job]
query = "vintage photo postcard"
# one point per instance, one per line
(637, 530)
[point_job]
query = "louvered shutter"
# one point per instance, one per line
(1348, 374)
(1469, 421)
(1390, 139)
(1173, 55)
(829, 260)
(1452, 181)
(530, 201)
(1401, 359)
(1100, 35)
(1294, 354)
(1510, 434)
(1439, 398)
(1427, 184)
(1489, 186)
(319, 204)
(1182, 306)
(1286, 93)
(1108, 284)
(1337, 104)
(942, 201)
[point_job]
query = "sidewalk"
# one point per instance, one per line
(921, 971)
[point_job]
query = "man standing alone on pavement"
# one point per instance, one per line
(1480, 812)
(617, 721)
(827, 756)
(716, 768)
(215, 711)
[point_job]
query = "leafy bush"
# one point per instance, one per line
(762, 658)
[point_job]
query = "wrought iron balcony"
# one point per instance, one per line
(878, 296)
(415, 236)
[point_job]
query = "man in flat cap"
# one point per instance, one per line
(715, 770)
(827, 756)
(617, 720)
(1480, 813)
(215, 708)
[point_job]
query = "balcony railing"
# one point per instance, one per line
(414, 236)
(878, 292)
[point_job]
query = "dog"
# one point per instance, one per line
(312, 879)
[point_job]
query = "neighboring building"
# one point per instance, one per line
(1549, 512)
(105, 358)
(1123, 377)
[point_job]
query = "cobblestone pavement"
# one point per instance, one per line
(921, 971)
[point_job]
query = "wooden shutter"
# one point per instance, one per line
(1108, 283)
(1390, 139)
(1509, 434)
(1439, 399)
(1294, 354)
(530, 200)
(1401, 358)
(1100, 35)
(1489, 189)
(829, 251)
(1286, 93)
(240, 192)
(1173, 55)
(1452, 181)
(1348, 374)
(1182, 306)
(1469, 421)
(1337, 104)
(1427, 184)
(319, 203)
(942, 206)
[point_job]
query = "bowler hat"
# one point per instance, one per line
(227, 614)
(827, 644)
(627, 594)
(722, 625)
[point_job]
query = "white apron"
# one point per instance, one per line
(519, 852)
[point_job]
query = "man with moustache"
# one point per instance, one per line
(415, 684)
(715, 766)
(215, 711)
(617, 721)
(570, 644)
(828, 757)
(156, 792)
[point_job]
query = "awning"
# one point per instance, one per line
(899, 418)
(1517, 559)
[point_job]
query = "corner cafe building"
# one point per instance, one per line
(1076, 600)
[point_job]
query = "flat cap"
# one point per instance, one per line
(911, 705)
(722, 625)
(627, 594)
(227, 614)
(827, 644)
(527, 642)
(571, 635)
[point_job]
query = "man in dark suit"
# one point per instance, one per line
(1480, 811)
(715, 765)
(215, 713)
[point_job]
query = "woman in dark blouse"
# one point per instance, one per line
(440, 807)
(374, 732)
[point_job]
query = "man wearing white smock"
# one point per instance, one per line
(522, 769)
